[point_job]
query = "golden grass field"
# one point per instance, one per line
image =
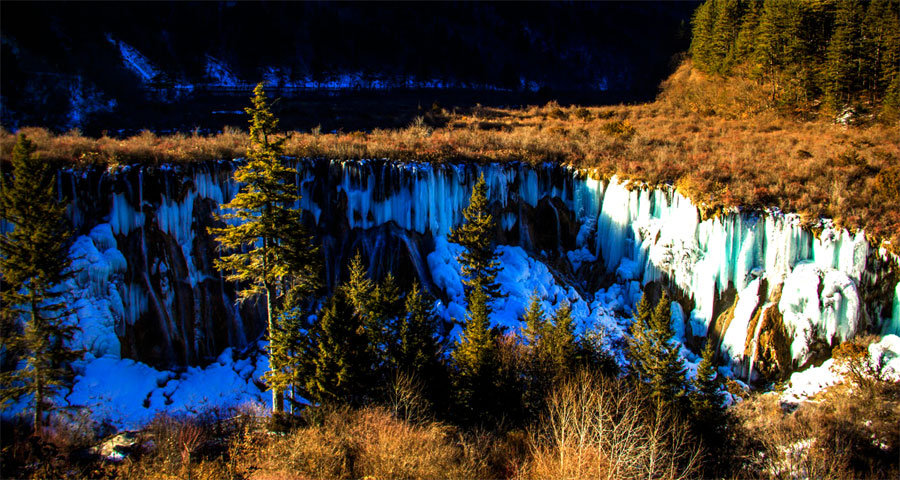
(719, 141)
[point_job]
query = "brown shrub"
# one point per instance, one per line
(597, 428)
(842, 434)
(358, 443)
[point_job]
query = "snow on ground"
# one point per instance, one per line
(520, 277)
(127, 394)
(813, 380)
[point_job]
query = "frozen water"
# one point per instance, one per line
(639, 234)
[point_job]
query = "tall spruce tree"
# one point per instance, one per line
(653, 358)
(561, 343)
(706, 400)
(34, 263)
(535, 323)
(267, 240)
(475, 360)
(340, 355)
(418, 348)
(537, 375)
(844, 60)
(703, 23)
(478, 261)
(378, 307)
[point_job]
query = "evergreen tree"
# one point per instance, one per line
(710, 419)
(561, 343)
(653, 358)
(387, 305)
(290, 345)
(475, 360)
(341, 357)
(724, 34)
(288, 353)
(535, 323)
(34, 263)
(844, 58)
(479, 259)
(537, 374)
(804, 49)
(378, 308)
(706, 400)
(746, 37)
(359, 287)
(703, 23)
(268, 239)
(418, 346)
(881, 46)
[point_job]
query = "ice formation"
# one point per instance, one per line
(640, 234)
(634, 234)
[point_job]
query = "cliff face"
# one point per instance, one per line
(147, 289)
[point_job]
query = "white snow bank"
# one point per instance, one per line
(520, 277)
(128, 394)
(813, 380)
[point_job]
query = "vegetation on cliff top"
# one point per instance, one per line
(722, 143)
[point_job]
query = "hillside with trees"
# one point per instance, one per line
(814, 56)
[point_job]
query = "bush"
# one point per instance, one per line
(843, 434)
(619, 129)
(348, 443)
(598, 428)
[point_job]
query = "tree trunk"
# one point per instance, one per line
(277, 395)
(39, 384)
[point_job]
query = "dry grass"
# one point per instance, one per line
(355, 444)
(842, 433)
(719, 142)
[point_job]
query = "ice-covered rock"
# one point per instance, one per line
(818, 303)
(146, 261)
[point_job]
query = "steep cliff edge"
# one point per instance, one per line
(772, 293)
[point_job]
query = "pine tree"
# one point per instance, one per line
(478, 261)
(418, 348)
(268, 240)
(288, 353)
(475, 360)
(538, 368)
(703, 23)
(881, 46)
(535, 323)
(378, 307)
(561, 342)
(653, 358)
(710, 420)
(706, 401)
(34, 263)
(387, 306)
(725, 31)
(844, 58)
(359, 287)
(746, 37)
(340, 355)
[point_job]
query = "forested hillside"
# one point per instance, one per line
(822, 55)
